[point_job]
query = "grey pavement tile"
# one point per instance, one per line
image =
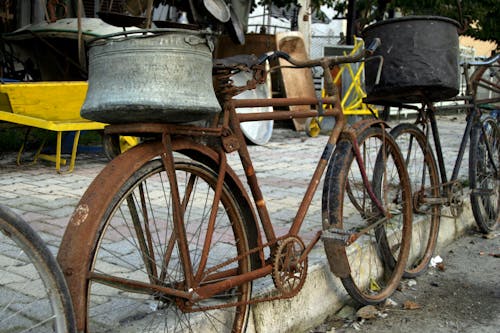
(47, 199)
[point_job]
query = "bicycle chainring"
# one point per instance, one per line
(289, 272)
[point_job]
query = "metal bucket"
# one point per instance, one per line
(162, 77)
(420, 58)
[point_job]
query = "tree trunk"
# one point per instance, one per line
(351, 22)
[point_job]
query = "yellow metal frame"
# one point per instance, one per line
(356, 106)
(354, 93)
(52, 106)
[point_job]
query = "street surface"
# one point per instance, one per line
(462, 298)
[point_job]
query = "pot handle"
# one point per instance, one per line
(195, 40)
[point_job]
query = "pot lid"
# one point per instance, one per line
(235, 28)
(218, 9)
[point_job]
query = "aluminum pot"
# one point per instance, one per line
(420, 58)
(165, 76)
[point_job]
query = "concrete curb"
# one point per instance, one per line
(323, 294)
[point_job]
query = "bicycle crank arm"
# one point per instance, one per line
(311, 245)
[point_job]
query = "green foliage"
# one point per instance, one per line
(480, 17)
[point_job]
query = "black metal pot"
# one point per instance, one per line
(420, 60)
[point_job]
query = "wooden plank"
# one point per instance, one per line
(297, 82)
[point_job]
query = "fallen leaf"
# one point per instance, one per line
(409, 305)
(374, 285)
(440, 266)
(367, 312)
(491, 235)
(495, 255)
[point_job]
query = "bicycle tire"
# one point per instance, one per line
(33, 292)
(484, 182)
(117, 244)
(361, 268)
(424, 181)
(489, 82)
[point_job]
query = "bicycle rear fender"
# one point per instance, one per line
(75, 252)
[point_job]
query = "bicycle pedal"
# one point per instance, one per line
(337, 235)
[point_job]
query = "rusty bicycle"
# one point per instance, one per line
(421, 146)
(423, 75)
(168, 236)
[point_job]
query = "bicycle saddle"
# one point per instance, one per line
(241, 62)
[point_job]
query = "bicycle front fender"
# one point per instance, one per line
(362, 125)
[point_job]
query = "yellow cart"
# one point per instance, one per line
(52, 106)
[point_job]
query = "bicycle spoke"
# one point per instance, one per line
(33, 293)
(154, 267)
(359, 221)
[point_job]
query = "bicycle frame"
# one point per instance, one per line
(427, 115)
(232, 279)
(205, 281)
(235, 141)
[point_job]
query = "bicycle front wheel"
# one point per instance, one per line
(33, 293)
(355, 221)
(138, 247)
(484, 174)
(424, 181)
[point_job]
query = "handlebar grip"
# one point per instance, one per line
(273, 55)
(264, 57)
(374, 45)
(282, 55)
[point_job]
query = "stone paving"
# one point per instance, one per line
(46, 199)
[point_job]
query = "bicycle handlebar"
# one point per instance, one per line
(486, 62)
(324, 61)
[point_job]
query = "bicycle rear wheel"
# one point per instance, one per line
(137, 243)
(486, 86)
(33, 293)
(484, 174)
(357, 258)
(424, 181)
